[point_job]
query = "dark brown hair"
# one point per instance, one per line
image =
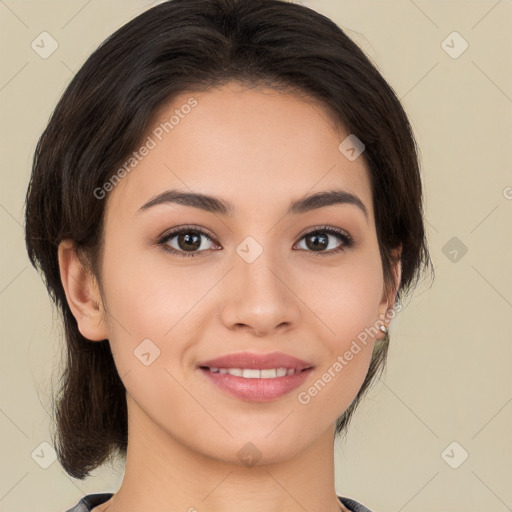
(175, 47)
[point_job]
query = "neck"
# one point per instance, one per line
(162, 474)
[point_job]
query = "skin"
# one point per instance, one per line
(259, 149)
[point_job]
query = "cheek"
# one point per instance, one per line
(148, 299)
(345, 299)
(346, 304)
(146, 296)
(350, 315)
(335, 387)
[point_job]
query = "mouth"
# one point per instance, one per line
(255, 373)
(256, 377)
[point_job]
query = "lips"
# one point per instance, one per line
(255, 361)
(256, 377)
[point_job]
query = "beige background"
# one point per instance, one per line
(448, 377)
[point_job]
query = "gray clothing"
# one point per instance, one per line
(88, 502)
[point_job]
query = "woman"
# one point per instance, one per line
(226, 206)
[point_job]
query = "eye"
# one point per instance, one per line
(318, 239)
(188, 241)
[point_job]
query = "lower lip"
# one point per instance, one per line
(257, 390)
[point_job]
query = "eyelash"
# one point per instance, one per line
(348, 241)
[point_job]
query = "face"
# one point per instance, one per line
(254, 280)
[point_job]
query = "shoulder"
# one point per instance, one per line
(88, 502)
(353, 505)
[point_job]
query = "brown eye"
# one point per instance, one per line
(188, 241)
(318, 241)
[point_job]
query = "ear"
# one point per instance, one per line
(389, 296)
(82, 293)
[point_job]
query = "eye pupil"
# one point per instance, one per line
(187, 238)
(316, 244)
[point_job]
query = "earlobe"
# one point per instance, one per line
(82, 293)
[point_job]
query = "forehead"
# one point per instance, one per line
(257, 148)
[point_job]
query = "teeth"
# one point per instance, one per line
(250, 373)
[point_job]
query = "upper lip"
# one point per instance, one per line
(252, 360)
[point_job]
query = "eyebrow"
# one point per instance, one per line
(220, 206)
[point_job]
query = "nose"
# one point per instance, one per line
(259, 297)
